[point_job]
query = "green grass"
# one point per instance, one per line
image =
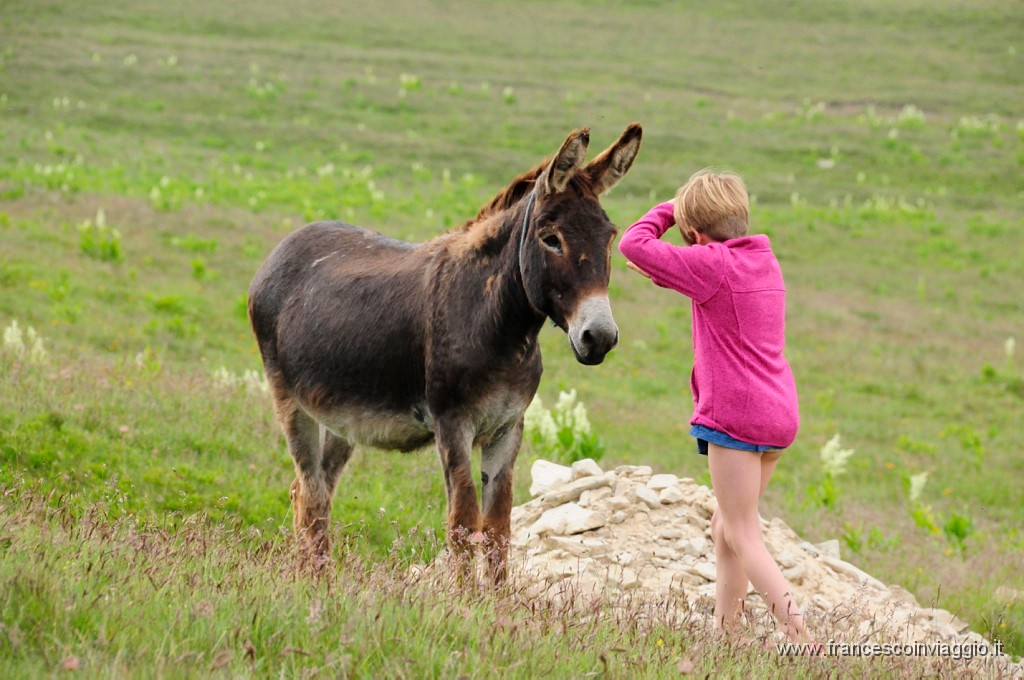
(205, 133)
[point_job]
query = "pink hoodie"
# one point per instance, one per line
(741, 382)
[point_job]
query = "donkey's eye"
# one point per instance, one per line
(552, 243)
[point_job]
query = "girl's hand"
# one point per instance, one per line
(637, 269)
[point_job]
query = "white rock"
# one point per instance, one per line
(901, 593)
(670, 495)
(591, 496)
(705, 570)
(572, 490)
(670, 532)
(648, 497)
(795, 573)
(575, 545)
(635, 471)
(545, 476)
(786, 559)
(619, 503)
(623, 578)
(663, 481)
(567, 519)
(829, 548)
(583, 520)
(585, 468)
(655, 542)
(809, 547)
(841, 567)
(697, 547)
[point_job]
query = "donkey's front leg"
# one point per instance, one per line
(498, 461)
(454, 444)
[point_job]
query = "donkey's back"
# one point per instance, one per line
(339, 316)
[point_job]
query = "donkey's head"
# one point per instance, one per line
(566, 240)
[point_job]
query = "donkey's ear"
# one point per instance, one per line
(614, 162)
(566, 163)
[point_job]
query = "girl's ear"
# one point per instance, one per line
(690, 235)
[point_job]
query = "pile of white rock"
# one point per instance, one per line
(630, 530)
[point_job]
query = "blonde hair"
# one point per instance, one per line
(713, 203)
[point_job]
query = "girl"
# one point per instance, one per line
(745, 402)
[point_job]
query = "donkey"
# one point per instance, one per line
(369, 340)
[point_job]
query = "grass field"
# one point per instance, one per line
(152, 154)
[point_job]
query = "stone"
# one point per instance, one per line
(703, 569)
(635, 471)
(652, 548)
(623, 578)
(619, 503)
(545, 476)
(566, 520)
(576, 546)
(847, 569)
(571, 491)
(659, 482)
(670, 532)
(795, 573)
(829, 548)
(904, 595)
(697, 547)
(786, 559)
(648, 497)
(670, 496)
(592, 496)
(585, 468)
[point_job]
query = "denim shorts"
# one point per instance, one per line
(705, 436)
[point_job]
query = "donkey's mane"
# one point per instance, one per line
(510, 195)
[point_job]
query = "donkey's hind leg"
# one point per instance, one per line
(310, 492)
(335, 452)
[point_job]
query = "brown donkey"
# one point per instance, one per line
(395, 345)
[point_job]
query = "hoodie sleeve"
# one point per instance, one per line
(694, 271)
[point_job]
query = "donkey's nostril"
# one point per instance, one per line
(587, 339)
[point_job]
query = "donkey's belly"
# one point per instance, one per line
(382, 430)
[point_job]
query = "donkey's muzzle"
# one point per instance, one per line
(592, 330)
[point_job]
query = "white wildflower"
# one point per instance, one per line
(834, 457)
(581, 424)
(538, 421)
(222, 377)
(255, 382)
(566, 401)
(1010, 347)
(917, 483)
(13, 341)
(37, 353)
(24, 342)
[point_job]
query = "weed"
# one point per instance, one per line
(833, 464)
(99, 241)
(562, 433)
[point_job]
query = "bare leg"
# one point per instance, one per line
(498, 459)
(731, 583)
(739, 478)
